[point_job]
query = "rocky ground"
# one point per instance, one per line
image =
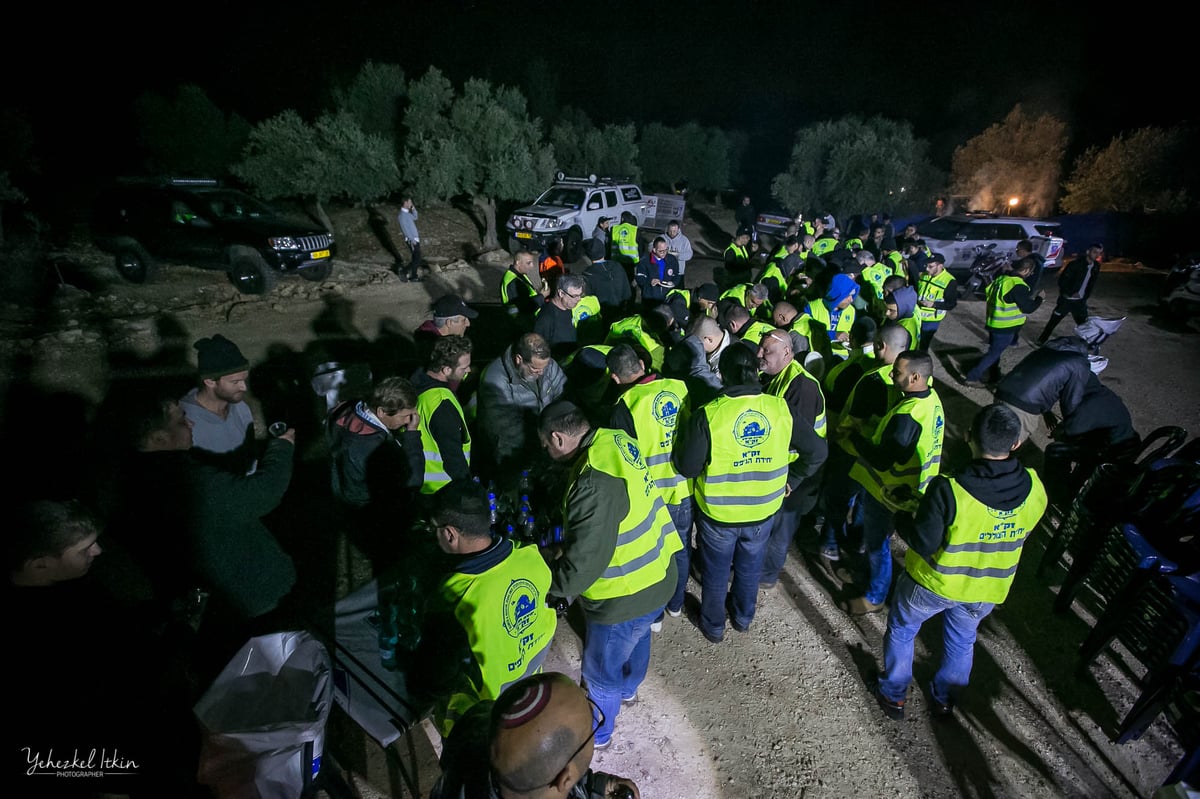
(781, 711)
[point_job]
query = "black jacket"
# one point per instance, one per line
(1058, 372)
(1073, 275)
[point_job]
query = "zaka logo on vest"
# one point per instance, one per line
(629, 451)
(521, 602)
(666, 408)
(751, 429)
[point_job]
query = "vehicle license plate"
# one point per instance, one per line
(320, 254)
(524, 235)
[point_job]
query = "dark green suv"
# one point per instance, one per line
(199, 222)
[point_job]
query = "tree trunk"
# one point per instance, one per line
(322, 217)
(487, 209)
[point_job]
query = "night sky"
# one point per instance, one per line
(767, 68)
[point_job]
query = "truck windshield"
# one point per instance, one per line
(572, 198)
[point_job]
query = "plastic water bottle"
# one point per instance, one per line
(525, 511)
(493, 507)
(525, 486)
(530, 527)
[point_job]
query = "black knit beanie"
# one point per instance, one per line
(218, 356)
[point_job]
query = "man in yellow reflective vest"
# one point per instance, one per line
(1009, 302)
(653, 409)
(518, 294)
(894, 467)
(937, 293)
(964, 544)
(617, 556)
(783, 376)
(736, 448)
(445, 436)
(489, 623)
(625, 249)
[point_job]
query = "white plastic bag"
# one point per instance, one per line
(264, 719)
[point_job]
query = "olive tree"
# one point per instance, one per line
(188, 134)
(853, 164)
(704, 155)
(1020, 157)
(375, 98)
(479, 142)
(1143, 171)
(330, 159)
(580, 148)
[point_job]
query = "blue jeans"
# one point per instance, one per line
(838, 495)
(681, 515)
(783, 529)
(614, 663)
(998, 342)
(723, 547)
(928, 331)
(912, 605)
(878, 522)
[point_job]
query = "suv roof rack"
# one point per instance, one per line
(168, 181)
(591, 180)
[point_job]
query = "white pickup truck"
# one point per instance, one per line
(571, 207)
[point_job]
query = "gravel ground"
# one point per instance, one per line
(781, 711)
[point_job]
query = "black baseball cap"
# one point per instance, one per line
(453, 305)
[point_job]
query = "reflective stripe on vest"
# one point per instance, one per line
(625, 236)
(978, 559)
(656, 407)
(746, 473)
(429, 401)
(1002, 314)
(921, 467)
(646, 537)
(509, 626)
(932, 287)
(778, 386)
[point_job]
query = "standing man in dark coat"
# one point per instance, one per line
(1075, 285)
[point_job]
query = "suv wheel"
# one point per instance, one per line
(250, 274)
(135, 264)
(318, 271)
(573, 249)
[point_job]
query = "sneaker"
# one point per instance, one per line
(655, 627)
(830, 552)
(674, 614)
(844, 574)
(893, 710)
(601, 745)
(633, 700)
(861, 606)
(739, 627)
(712, 639)
(974, 384)
(938, 708)
(415, 278)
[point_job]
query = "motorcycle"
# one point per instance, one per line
(986, 266)
(1180, 295)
